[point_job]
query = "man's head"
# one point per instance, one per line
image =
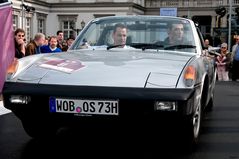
(53, 42)
(206, 42)
(19, 34)
(119, 34)
(60, 35)
(70, 40)
(175, 32)
(39, 39)
(237, 39)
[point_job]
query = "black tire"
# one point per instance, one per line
(192, 130)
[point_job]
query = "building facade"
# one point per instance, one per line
(70, 16)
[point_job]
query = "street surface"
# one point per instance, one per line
(219, 137)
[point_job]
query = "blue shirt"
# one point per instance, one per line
(46, 49)
(236, 57)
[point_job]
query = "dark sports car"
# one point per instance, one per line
(144, 79)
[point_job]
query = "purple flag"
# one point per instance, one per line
(7, 51)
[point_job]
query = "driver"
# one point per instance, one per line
(175, 34)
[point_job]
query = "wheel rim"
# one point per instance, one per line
(196, 121)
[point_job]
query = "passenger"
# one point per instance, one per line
(120, 35)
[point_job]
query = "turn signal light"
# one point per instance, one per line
(13, 66)
(190, 75)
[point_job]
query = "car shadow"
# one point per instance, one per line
(125, 143)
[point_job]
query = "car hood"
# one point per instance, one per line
(107, 68)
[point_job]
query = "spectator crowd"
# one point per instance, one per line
(226, 62)
(40, 43)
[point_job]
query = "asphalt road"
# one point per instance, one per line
(219, 137)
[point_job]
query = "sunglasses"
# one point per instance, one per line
(21, 35)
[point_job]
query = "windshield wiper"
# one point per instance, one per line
(114, 46)
(179, 47)
(145, 46)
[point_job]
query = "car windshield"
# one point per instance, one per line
(142, 32)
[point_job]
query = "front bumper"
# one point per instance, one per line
(134, 103)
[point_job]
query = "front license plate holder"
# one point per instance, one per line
(84, 106)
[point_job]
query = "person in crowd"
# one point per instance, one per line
(20, 45)
(52, 47)
(207, 43)
(46, 40)
(69, 42)
(34, 46)
(60, 39)
(222, 62)
(235, 60)
(120, 35)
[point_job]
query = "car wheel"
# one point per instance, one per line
(193, 128)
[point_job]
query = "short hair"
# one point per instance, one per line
(58, 32)
(119, 25)
(39, 36)
(170, 24)
(71, 37)
(52, 37)
(19, 30)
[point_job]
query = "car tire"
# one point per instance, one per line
(192, 129)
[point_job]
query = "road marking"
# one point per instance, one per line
(3, 110)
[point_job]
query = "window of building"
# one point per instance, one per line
(41, 26)
(41, 23)
(68, 29)
(28, 29)
(68, 25)
(15, 22)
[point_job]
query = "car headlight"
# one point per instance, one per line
(19, 99)
(165, 106)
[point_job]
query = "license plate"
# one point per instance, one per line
(82, 106)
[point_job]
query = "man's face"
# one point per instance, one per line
(69, 42)
(53, 43)
(120, 36)
(60, 36)
(176, 33)
(206, 42)
(20, 37)
(41, 41)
